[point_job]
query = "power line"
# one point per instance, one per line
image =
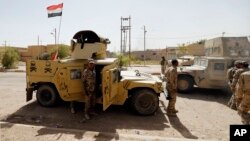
(194, 37)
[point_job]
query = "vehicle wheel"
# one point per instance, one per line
(145, 102)
(185, 84)
(46, 96)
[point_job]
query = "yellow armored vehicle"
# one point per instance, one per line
(54, 80)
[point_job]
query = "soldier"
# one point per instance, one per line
(237, 75)
(163, 63)
(243, 97)
(233, 84)
(89, 83)
(230, 74)
(171, 77)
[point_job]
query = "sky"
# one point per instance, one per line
(168, 22)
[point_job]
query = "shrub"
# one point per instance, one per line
(10, 58)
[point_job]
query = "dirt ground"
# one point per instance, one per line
(203, 114)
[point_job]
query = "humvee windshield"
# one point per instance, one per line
(200, 62)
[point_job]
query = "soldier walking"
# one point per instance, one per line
(171, 77)
(89, 83)
(230, 74)
(243, 97)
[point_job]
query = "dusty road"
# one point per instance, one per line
(203, 114)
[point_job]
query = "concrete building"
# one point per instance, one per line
(196, 49)
(228, 47)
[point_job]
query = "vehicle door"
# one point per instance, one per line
(217, 72)
(74, 82)
(110, 81)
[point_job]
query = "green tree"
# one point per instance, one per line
(123, 60)
(63, 51)
(182, 49)
(10, 58)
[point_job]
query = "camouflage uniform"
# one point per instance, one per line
(163, 63)
(234, 84)
(171, 77)
(89, 82)
(230, 74)
(243, 96)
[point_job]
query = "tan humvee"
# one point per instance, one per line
(207, 72)
(53, 80)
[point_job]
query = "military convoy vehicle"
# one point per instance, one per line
(207, 72)
(61, 79)
(210, 71)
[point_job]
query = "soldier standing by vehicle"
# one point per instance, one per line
(163, 63)
(243, 97)
(171, 77)
(230, 74)
(233, 84)
(89, 83)
(238, 91)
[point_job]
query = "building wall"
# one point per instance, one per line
(228, 47)
(32, 52)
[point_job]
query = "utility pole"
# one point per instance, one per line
(144, 56)
(54, 35)
(38, 40)
(5, 46)
(125, 27)
(223, 33)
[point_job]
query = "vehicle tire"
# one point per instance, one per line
(46, 96)
(145, 102)
(185, 83)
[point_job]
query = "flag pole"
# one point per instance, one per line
(59, 31)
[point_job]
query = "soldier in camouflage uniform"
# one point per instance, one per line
(163, 63)
(238, 91)
(230, 74)
(89, 82)
(243, 97)
(171, 77)
(236, 76)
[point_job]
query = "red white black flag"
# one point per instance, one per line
(55, 10)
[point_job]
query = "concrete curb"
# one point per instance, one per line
(92, 134)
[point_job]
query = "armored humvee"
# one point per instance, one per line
(61, 79)
(207, 72)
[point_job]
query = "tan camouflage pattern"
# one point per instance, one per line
(236, 76)
(171, 77)
(230, 74)
(233, 87)
(243, 96)
(89, 82)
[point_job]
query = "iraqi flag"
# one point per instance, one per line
(55, 10)
(54, 56)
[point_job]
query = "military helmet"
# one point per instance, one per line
(237, 62)
(245, 64)
(91, 61)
